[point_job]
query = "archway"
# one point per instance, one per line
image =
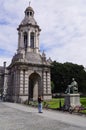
(35, 88)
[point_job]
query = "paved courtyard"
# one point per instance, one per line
(20, 117)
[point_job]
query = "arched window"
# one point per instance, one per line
(30, 13)
(25, 40)
(32, 40)
(27, 13)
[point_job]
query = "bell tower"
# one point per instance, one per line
(29, 71)
(28, 33)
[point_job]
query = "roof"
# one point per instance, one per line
(34, 58)
(28, 20)
(29, 9)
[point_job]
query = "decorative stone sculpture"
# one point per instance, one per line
(72, 88)
(72, 97)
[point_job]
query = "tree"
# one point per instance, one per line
(62, 74)
(52, 87)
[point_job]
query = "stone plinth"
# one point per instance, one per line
(72, 100)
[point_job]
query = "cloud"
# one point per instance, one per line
(63, 24)
(3, 59)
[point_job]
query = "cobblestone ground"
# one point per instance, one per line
(19, 117)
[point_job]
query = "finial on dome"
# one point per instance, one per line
(29, 3)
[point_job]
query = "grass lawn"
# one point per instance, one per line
(56, 102)
(83, 101)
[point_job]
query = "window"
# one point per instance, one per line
(27, 13)
(25, 40)
(30, 13)
(32, 40)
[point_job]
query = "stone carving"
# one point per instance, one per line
(72, 88)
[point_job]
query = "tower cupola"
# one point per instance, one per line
(29, 12)
(29, 17)
(28, 31)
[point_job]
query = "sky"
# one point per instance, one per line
(63, 24)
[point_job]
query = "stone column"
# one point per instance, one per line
(48, 83)
(21, 82)
(46, 86)
(28, 38)
(19, 39)
(22, 40)
(5, 84)
(28, 48)
(44, 83)
(26, 83)
(17, 82)
(37, 41)
(14, 87)
(5, 80)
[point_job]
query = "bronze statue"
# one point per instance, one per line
(72, 88)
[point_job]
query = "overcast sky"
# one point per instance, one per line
(63, 24)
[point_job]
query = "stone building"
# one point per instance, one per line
(28, 75)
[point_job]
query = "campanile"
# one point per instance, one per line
(29, 71)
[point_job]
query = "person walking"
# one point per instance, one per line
(40, 104)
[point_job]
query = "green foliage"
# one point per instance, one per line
(52, 86)
(61, 75)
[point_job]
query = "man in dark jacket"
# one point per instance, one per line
(39, 104)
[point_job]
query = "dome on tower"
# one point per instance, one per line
(29, 17)
(29, 9)
(28, 20)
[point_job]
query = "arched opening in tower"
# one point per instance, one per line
(25, 40)
(35, 88)
(32, 40)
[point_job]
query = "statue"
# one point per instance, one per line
(72, 88)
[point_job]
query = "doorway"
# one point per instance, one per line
(35, 88)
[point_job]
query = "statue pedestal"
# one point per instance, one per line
(72, 100)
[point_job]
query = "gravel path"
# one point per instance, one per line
(20, 117)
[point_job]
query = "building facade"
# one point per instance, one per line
(28, 75)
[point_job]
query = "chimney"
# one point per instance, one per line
(4, 65)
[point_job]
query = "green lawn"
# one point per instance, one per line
(56, 102)
(83, 101)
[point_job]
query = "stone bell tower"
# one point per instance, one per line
(28, 33)
(29, 71)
